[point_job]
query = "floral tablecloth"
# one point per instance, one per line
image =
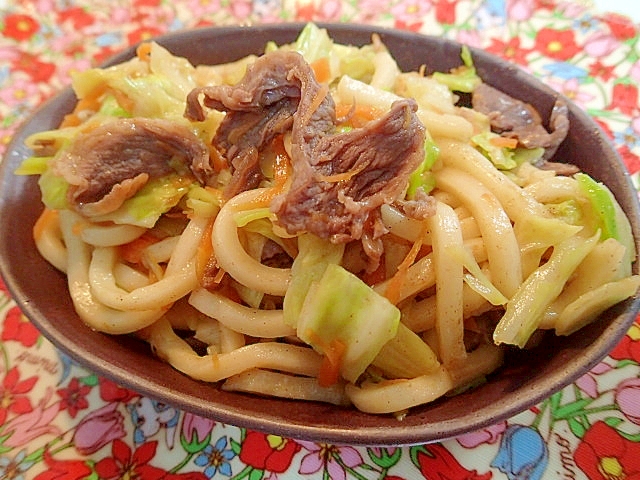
(60, 421)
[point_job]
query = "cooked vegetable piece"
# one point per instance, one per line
(342, 308)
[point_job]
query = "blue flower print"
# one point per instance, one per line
(628, 137)
(566, 70)
(215, 458)
(523, 454)
(15, 467)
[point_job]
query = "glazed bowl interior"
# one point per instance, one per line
(529, 376)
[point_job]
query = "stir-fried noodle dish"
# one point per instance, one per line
(313, 223)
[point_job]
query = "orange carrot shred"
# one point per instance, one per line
(329, 373)
(204, 252)
(396, 283)
(322, 69)
(281, 174)
(132, 252)
(143, 52)
(357, 115)
(504, 142)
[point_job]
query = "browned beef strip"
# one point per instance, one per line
(382, 154)
(377, 159)
(258, 109)
(516, 119)
(110, 163)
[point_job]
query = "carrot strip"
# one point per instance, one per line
(329, 372)
(342, 177)
(281, 174)
(504, 142)
(322, 69)
(90, 102)
(394, 288)
(143, 52)
(219, 162)
(204, 252)
(132, 252)
(357, 115)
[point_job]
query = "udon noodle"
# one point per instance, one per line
(485, 246)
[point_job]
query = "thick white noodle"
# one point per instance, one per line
(179, 278)
(503, 250)
(350, 90)
(161, 251)
(554, 189)
(212, 368)
(397, 395)
(250, 321)
(109, 235)
(91, 311)
(129, 278)
(276, 384)
(233, 258)
(481, 361)
(462, 156)
(410, 228)
(158, 294)
(230, 340)
(187, 246)
(445, 233)
(49, 242)
(421, 275)
(420, 315)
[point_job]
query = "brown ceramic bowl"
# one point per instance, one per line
(528, 377)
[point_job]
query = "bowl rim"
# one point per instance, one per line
(398, 434)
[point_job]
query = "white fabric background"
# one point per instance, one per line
(628, 7)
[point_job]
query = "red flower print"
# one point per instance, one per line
(37, 423)
(446, 11)
(557, 44)
(135, 465)
(20, 27)
(12, 394)
(305, 12)
(103, 55)
(630, 159)
(511, 50)
(435, 461)
(203, 22)
(112, 392)
(620, 26)
(605, 128)
(624, 98)
(546, 4)
(402, 25)
(78, 17)
(74, 397)
(3, 286)
(143, 33)
(18, 328)
(598, 70)
(38, 70)
(629, 347)
(604, 454)
(127, 464)
(146, 3)
(63, 469)
(268, 452)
